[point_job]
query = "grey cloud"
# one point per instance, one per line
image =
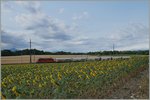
(45, 33)
(81, 16)
(60, 37)
(32, 9)
(136, 30)
(89, 44)
(44, 26)
(30, 6)
(12, 41)
(42, 23)
(7, 7)
(133, 35)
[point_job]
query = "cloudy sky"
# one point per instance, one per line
(77, 26)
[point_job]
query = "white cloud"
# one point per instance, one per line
(134, 36)
(83, 15)
(44, 26)
(6, 7)
(139, 46)
(31, 6)
(29, 20)
(50, 33)
(61, 10)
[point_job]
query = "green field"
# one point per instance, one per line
(91, 79)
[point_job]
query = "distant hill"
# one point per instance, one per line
(41, 52)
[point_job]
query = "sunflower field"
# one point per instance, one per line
(90, 79)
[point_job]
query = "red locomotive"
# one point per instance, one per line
(45, 60)
(52, 60)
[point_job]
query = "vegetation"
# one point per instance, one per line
(38, 52)
(140, 52)
(91, 79)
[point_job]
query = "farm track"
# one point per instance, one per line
(137, 87)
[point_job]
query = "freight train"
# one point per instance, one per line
(53, 60)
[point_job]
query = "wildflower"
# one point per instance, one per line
(46, 77)
(34, 81)
(14, 88)
(3, 84)
(53, 81)
(79, 76)
(3, 97)
(10, 80)
(40, 85)
(87, 77)
(59, 76)
(93, 74)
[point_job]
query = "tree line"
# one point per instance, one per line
(41, 52)
(139, 52)
(33, 52)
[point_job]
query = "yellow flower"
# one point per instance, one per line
(79, 76)
(36, 78)
(16, 93)
(3, 97)
(44, 83)
(87, 77)
(10, 80)
(59, 76)
(34, 81)
(53, 81)
(14, 88)
(46, 77)
(3, 84)
(93, 74)
(27, 81)
(40, 85)
(65, 73)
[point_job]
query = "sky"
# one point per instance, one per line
(75, 26)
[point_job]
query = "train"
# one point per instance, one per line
(58, 60)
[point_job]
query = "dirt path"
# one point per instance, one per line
(135, 88)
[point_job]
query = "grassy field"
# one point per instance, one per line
(91, 79)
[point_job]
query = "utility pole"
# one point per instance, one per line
(34, 55)
(21, 56)
(113, 48)
(30, 53)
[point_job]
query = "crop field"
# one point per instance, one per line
(26, 58)
(91, 79)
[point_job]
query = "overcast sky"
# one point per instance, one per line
(77, 26)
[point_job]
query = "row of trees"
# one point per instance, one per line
(33, 52)
(41, 52)
(140, 52)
